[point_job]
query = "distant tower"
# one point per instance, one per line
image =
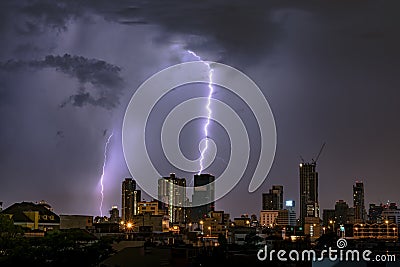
(309, 206)
(114, 214)
(172, 192)
(358, 202)
(130, 199)
(203, 191)
(274, 199)
(290, 205)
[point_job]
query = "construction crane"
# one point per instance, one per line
(319, 154)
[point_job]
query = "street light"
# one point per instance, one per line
(209, 228)
(129, 227)
(332, 222)
(190, 226)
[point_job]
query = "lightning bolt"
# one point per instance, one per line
(102, 175)
(208, 107)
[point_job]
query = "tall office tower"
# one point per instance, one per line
(130, 199)
(274, 199)
(358, 202)
(203, 191)
(308, 191)
(172, 192)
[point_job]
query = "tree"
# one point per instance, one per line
(7, 227)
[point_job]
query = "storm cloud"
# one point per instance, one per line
(103, 78)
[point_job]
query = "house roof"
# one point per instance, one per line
(17, 211)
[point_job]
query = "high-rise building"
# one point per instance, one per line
(274, 199)
(172, 192)
(203, 191)
(130, 199)
(358, 200)
(309, 206)
(291, 207)
(341, 212)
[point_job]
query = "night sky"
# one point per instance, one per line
(329, 70)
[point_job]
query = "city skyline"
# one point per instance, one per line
(68, 70)
(277, 200)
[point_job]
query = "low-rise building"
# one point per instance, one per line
(76, 222)
(268, 217)
(216, 224)
(386, 230)
(148, 207)
(312, 227)
(152, 223)
(33, 216)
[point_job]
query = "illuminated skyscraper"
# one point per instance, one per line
(172, 192)
(130, 199)
(309, 206)
(358, 202)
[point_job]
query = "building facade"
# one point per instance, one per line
(114, 215)
(149, 207)
(376, 231)
(290, 205)
(274, 199)
(130, 199)
(309, 206)
(203, 192)
(33, 216)
(172, 192)
(268, 218)
(84, 222)
(358, 201)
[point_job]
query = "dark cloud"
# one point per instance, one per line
(53, 14)
(229, 26)
(103, 77)
(242, 30)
